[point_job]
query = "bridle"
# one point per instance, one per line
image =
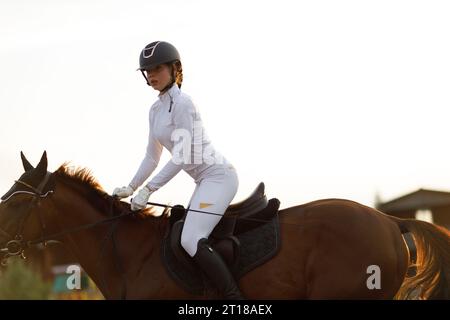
(16, 246)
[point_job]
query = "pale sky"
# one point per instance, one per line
(318, 99)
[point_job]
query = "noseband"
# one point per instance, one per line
(16, 246)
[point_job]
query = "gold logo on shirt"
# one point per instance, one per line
(205, 205)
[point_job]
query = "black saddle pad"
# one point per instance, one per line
(256, 247)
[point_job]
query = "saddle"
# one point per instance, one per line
(246, 237)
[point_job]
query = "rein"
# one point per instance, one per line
(17, 245)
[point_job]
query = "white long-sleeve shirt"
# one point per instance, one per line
(175, 123)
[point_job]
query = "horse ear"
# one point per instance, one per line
(26, 164)
(42, 166)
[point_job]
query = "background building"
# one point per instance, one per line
(427, 205)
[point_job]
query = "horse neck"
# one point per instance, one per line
(90, 246)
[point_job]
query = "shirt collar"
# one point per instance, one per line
(170, 94)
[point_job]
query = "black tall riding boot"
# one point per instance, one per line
(217, 271)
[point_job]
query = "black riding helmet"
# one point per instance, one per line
(156, 53)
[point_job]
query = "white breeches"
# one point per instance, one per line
(213, 194)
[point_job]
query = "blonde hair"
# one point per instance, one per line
(178, 69)
(177, 72)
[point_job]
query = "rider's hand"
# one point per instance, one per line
(123, 192)
(140, 201)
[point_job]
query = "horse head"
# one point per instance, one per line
(20, 214)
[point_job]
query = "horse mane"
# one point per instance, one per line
(84, 182)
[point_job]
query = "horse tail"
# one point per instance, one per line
(432, 279)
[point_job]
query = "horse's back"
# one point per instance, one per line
(340, 215)
(346, 242)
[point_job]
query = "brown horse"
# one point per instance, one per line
(328, 247)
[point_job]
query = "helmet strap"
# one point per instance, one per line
(146, 80)
(172, 79)
(166, 88)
